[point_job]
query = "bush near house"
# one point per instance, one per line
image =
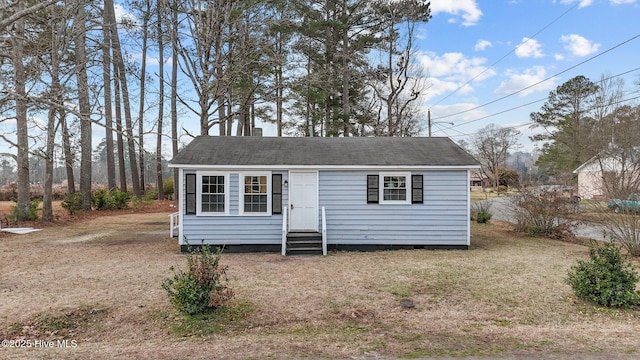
(606, 278)
(202, 287)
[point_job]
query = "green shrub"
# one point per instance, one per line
(606, 279)
(167, 187)
(150, 194)
(104, 199)
(202, 287)
(483, 217)
(481, 211)
(31, 215)
(72, 202)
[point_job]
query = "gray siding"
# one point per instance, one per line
(234, 229)
(441, 220)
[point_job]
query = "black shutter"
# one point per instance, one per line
(276, 193)
(417, 189)
(190, 194)
(373, 193)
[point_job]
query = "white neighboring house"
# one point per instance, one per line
(592, 173)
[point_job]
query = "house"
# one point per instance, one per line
(287, 193)
(479, 181)
(620, 171)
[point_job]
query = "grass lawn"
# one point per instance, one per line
(96, 284)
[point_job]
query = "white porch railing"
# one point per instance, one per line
(284, 230)
(324, 232)
(174, 224)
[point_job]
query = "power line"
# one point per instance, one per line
(460, 134)
(543, 80)
(536, 101)
(507, 54)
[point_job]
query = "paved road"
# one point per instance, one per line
(501, 208)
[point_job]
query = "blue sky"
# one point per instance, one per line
(536, 39)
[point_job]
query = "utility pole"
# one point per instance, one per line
(429, 123)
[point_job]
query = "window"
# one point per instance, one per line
(213, 194)
(255, 194)
(395, 187)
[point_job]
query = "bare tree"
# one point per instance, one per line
(160, 9)
(57, 46)
(84, 105)
(146, 15)
(491, 145)
(21, 11)
(120, 77)
(108, 107)
(173, 29)
(397, 80)
(20, 98)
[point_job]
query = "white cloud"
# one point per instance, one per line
(518, 81)
(455, 66)
(529, 48)
(437, 88)
(482, 44)
(583, 3)
(622, 2)
(558, 57)
(123, 15)
(448, 72)
(578, 45)
(468, 9)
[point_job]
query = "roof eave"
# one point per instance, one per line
(325, 167)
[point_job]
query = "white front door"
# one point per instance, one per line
(303, 201)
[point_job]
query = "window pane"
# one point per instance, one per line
(255, 203)
(212, 199)
(394, 188)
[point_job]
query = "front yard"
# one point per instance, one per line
(96, 285)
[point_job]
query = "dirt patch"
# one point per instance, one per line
(57, 325)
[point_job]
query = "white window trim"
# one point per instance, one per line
(381, 199)
(227, 189)
(241, 194)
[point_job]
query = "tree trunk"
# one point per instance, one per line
(159, 185)
(55, 93)
(143, 76)
(84, 106)
(68, 154)
(174, 96)
(108, 112)
(121, 77)
(24, 193)
(122, 171)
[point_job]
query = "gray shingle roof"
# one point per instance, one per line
(322, 151)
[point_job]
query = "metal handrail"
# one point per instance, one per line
(284, 231)
(324, 232)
